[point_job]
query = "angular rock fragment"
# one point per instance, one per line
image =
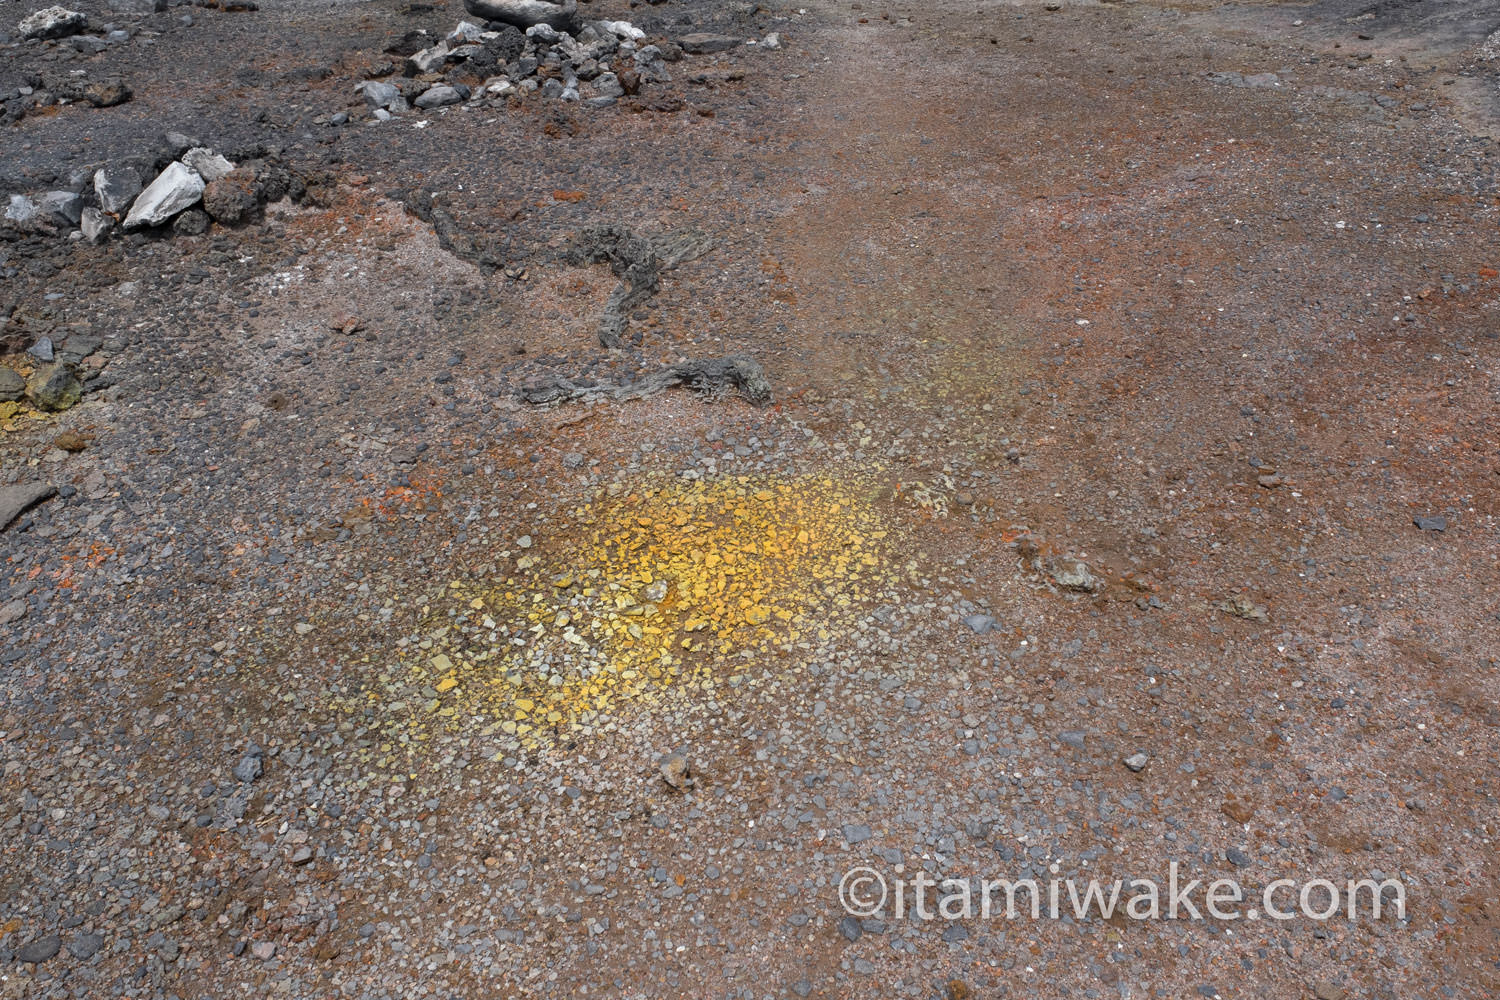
(465, 33)
(526, 13)
(439, 97)
(379, 94)
(250, 765)
(116, 185)
(1242, 607)
(44, 212)
(231, 199)
(704, 42)
(1071, 574)
(206, 164)
(675, 770)
(20, 212)
(429, 60)
(52, 22)
(980, 624)
(193, 222)
(96, 226)
(14, 500)
(54, 388)
(85, 946)
(621, 29)
(175, 189)
(41, 949)
(12, 385)
(65, 207)
(105, 93)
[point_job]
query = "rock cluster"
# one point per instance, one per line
(59, 376)
(556, 56)
(188, 186)
(52, 22)
(23, 93)
(39, 93)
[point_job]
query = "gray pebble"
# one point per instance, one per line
(856, 833)
(39, 950)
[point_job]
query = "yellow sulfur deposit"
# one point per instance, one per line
(648, 589)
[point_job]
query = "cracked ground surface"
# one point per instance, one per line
(340, 670)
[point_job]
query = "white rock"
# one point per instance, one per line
(63, 207)
(43, 212)
(771, 41)
(53, 22)
(175, 188)
(1490, 50)
(431, 59)
(206, 164)
(465, 34)
(379, 94)
(20, 213)
(95, 225)
(623, 29)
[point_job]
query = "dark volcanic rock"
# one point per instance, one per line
(12, 385)
(54, 387)
(39, 950)
(106, 93)
(704, 42)
(526, 13)
(232, 198)
(15, 499)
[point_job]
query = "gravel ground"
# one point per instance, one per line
(1126, 496)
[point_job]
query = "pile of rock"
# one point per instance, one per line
(39, 92)
(58, 379)
(530, 47)
(62, 24)
(30, 92)
(71, 28)
(194, 187)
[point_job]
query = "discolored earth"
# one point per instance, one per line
(339, 667)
